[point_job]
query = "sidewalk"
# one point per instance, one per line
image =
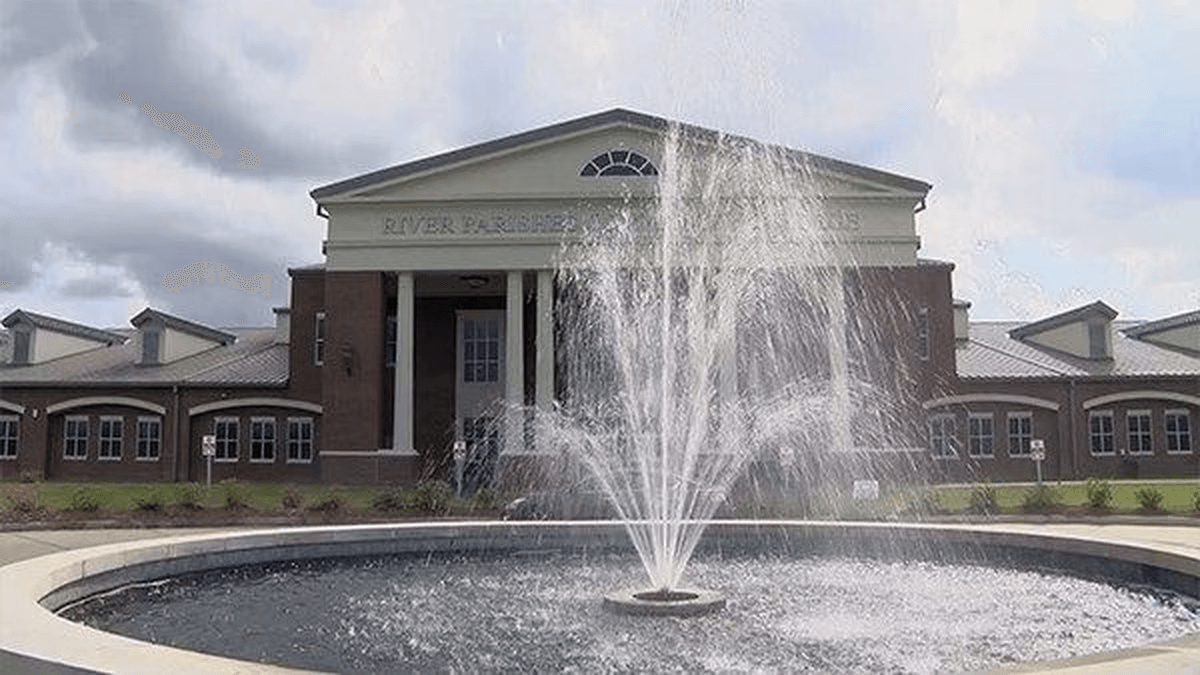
(22, 545)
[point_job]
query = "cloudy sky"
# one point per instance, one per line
(1061, 137)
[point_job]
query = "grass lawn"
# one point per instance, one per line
(180, 500)
(1178, 498)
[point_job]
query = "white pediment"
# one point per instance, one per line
(550, 169)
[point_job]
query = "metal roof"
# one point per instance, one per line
(60, 326)
(990, 353)
(253, 359)
(615, 116)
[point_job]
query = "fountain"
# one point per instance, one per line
(700, 328)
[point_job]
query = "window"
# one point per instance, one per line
(1020, 433)
(1138, 424)
(319, 340)
(75, 438)
(262, 439)
(149, 346)
(619, 163)
(481, 350)
(149, 438)
(111, 429)
(300, 439)
(923, 333)
(20, 346)
(389, 343)
(1179, 431)
(943, 440)
(1100, 428)
(979, 434)
(226, 431)
(8, 436)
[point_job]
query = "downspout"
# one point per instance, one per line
(1071, 429)
(175, 454)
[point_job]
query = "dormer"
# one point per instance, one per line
(1181, 331)
(37, 338)
(1085, 332)
(162, 338)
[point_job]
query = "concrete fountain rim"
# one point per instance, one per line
(34, 639)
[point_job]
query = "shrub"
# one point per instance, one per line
(22, 497)
(432, 496)
(983, 499)
(84, 499)
(487, 499)
(1196, 501)
(29, 476)
(190, 495)
(1099, 493)
(292, 499)
(330, 502)
(392, 499)
(235, 495)
(152, 500)
(1040, 498)
(1149, 498)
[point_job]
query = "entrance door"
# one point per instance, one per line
(479, 393)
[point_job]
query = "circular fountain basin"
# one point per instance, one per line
(33, 639)
(675, 602)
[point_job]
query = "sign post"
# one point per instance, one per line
(209, 448)
(460, 458)
(1037, 452)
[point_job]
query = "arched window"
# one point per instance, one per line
(619, 163)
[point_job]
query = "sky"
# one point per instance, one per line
(140, 138)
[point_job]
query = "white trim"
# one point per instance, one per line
(274, 439)
(258, 401)
(1142, 394)
(106, 400)
(990, 398)
(5, 405)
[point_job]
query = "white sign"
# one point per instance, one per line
(209, 445)
(866, 489)
(1037, 449)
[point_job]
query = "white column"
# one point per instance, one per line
(544, 365)
(839, 372)
(514, 366)
(402, 414)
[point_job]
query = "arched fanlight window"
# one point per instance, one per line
(619, 163)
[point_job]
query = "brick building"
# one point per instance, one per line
(438, 303)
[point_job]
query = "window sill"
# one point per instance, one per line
(75, 459)
(147, 459)
(299, 461)
(1148, 453)
(227, 460)
(945, 457)
(4, 457)
(263, 461)
(992, 456)
(108, 459)
(1179, 452)
(1104, 454)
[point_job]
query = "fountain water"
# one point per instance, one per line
(701, 326)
